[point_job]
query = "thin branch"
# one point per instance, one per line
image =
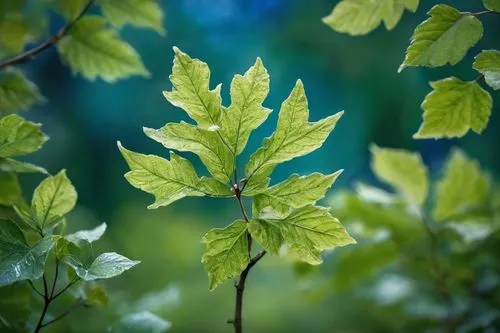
(46, 302)
(55, 279)
(75, 305)
(69, 285)
(237, 192)
(479, 78)
(34, 288)
(51, 41)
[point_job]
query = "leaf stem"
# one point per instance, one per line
(56, 274)
(75, 305)
(51, 41)
(480, 13)
(34, 288)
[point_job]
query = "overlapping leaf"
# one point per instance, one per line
(105, 266)
(306, 232)
(17, 93)
(10, 190)
(19, 137)
(403, 170)
(94, 50)
(226, 254)
(139, 13)
(488, 63)
(453, 108)
(443, 38)
(359, 17)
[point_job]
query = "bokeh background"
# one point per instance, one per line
(355, 74)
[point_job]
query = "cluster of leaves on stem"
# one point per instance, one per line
(285, 215)
(454, 106)
(427, 250)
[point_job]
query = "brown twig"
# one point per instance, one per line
(51, 41)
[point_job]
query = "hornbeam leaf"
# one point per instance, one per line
(488, 63)
(454, 107)
(191, 79)
(19, 261)
(19, 137)
(359, 17)
(216, 156)
(306, 232)
(443, 38)
(93, 50)
(227, 252)
(17, 93)
(52, 199)
(295, 192)
(245, 112)
(393, 166)
(294, 136)
(139, 13)
(167, 180)
(463, 186)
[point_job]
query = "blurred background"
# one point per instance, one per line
(355, 74)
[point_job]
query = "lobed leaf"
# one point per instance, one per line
(306, 232)
(139, 13)
(227, 252)
(17, 93)
(453, 108)
(463, 186)
(443, 38)
(19, 137)
(93, 50)
(488, 63)
(403, 170)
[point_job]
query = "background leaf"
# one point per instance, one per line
(17, 93)
(139, 13)
(488, 63)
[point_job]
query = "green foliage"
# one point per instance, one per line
(19, 137)
(141, 322)
(284, 215)
(493, 5)
(17, 93)
(359, 17)
(488, 63)
(105, 266)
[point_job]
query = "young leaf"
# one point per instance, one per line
(96, 295)
(10, 190)
(105, 266)
(17, 93)
(443, 38)
(488, 63)
(246, 112)
(139, 13)
(453, 108)
(52, 199)
(14, 34)
(306, 231)
(295, 192)
(492, 5)
(227, 252)
(93, 50)
(214, 154)
(19, 137)
(167, 180)
(463, 186)
(88, 235)
(359, 17)
(294, 136)
(10, 165)
(142, 322)
(70, 9)
(19, 261)
(394, 167)
(190, 79)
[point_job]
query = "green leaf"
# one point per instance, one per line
(443, 38)
(52, 199)
(306, 232)
(492, 5)
(191, 79)
(10, 165)
(295, 192)
(214, 154)
(93, 50)
(167, 180)
(17, 93)
(294, 136)
(463, 186)
(359, 17)
(227, 252)
(19, 137)
(14, 34)
(105, 266)
(15, 305)
(245, 113)
(453, 108)
(96, 295)
(488, 64)
(19, 261)
(142, 322)
(393, 166)
(88, 235)
(139, 13)
(70, 9)
(10, 190)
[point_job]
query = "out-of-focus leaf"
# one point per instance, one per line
(142, 322)
(10, 190)
(492, 5)
(139, 13)
(10, 165)
(488, 63)
(17, 93)
(15, 304)
(88, 235)
(96, 295)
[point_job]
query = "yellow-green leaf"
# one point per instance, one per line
(94, 50)
(492, 5)
(403, 170)
(70, 9)
(443, 38)
(17, 93)
(139, 13)
(10, 190)
(488, 63)
(19, 137)
(226, 254)
(453, 108)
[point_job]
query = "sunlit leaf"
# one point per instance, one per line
(492, 5)
(19, 137)
(88, 235)
(96, 295)
(17, 93)
(488, 63)
(15, 304)
(139, 13)
(105, 266)
(10, 165)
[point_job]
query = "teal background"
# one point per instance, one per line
(340, 72)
